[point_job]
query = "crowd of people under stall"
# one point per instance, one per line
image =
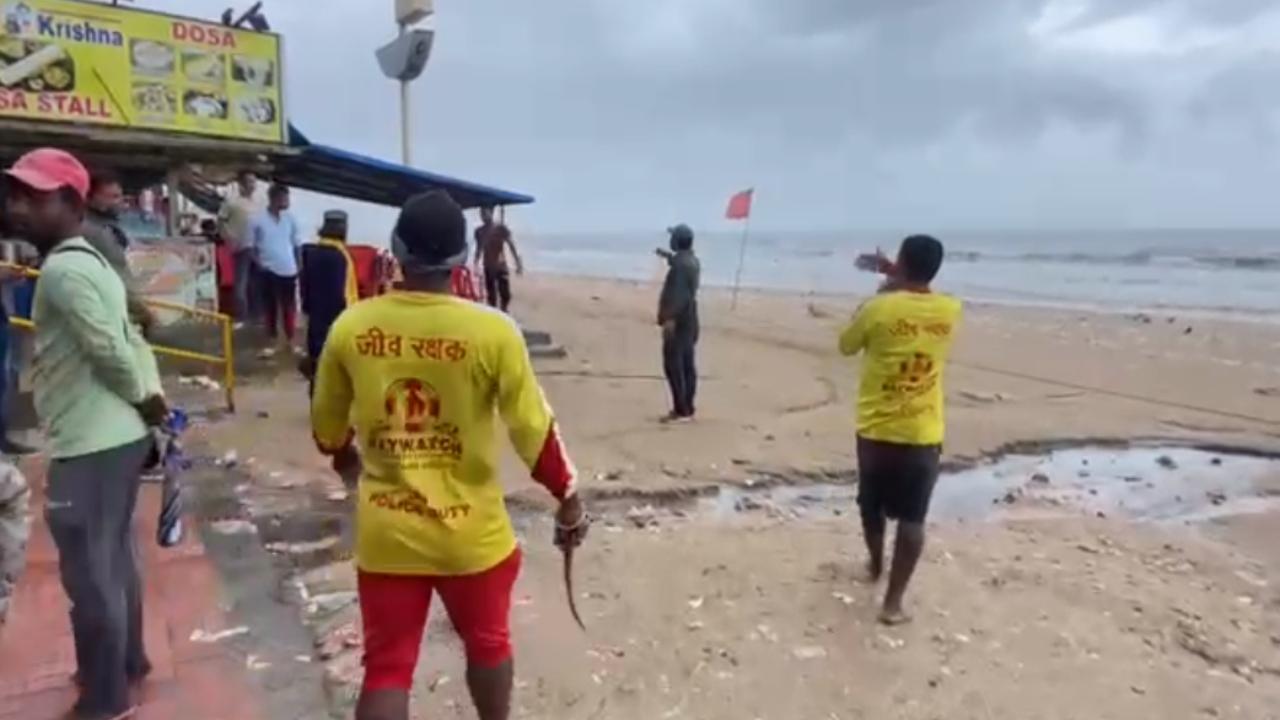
(99, 397)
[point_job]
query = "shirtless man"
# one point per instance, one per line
(492, 241)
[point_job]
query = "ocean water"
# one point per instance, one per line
(1227, 272)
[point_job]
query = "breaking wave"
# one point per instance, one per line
(1233, 262)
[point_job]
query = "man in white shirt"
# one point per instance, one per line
(235, 217)
(276, 245)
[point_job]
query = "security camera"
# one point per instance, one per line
(405, 57)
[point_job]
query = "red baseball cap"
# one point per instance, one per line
(49, 169)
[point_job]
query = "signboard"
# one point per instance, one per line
(176, 270)
(80, 62)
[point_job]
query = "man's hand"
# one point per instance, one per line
(876, 263)
(571, 523)
(307, 367)
(154, 410)
(142, 315)
(664, 253)
(347, 464)
(668, 329)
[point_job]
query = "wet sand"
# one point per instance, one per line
(1038, 609)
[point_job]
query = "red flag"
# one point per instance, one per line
(740, 205)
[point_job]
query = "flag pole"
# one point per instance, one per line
(742, 259)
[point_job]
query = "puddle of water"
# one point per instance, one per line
(1144, 483)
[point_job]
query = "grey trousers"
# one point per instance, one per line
(89, 509)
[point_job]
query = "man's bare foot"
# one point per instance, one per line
(893, 618)
(875, 570)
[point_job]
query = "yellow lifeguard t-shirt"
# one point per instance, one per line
(906, 338)
(423, 378)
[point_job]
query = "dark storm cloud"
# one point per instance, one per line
(621, 115)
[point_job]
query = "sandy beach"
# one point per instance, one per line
(711, 593)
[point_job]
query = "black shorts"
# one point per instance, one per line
(897, 480)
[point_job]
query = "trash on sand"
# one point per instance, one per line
(201, 381)
(234, 527)
(643, 517)
(202, 636)
(892, 643)
(230, 459)
(809, 652)
(844, 598)
(302, 547)
(330, 602)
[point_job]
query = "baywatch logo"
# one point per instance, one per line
(411, 404)
(413, 431)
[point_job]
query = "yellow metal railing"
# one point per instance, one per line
(226, 360)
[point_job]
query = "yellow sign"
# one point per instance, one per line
(82, 62)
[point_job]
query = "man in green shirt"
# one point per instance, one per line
(96, 389)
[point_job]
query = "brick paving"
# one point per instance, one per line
(190, 681)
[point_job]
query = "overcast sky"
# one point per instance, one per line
(623, 115)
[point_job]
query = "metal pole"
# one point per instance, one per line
(742, 259)
(406, 142)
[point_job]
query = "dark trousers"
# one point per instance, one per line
(497, 288)
(678, 361)
(280, 303)
(89, 509)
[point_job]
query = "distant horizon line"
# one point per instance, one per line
(901, 232)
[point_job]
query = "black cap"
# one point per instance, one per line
(681, 233)
(433, 229)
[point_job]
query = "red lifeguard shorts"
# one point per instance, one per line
(394, 611)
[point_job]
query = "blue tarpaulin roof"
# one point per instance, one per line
(332, 171)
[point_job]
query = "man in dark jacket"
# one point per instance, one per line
(328, 284)
(678, 316)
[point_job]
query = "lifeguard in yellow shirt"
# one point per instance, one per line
(423, 376)
(905, 334)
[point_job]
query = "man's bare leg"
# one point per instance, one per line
(907, 550)
(491, 690)
(383, 705)
(873, 528)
